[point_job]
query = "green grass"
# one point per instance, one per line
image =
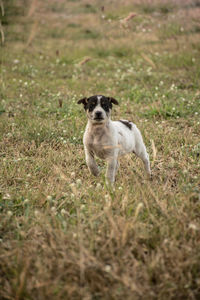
(63, 233)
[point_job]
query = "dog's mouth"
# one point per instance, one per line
(98, 119)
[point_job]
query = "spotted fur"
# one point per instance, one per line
(126, 123)
(109, 139)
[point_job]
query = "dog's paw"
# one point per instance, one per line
(95, 172)
(150, 176)
(110, 185)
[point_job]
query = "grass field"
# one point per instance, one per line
(63, 233)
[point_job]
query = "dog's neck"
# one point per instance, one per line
(98, 126)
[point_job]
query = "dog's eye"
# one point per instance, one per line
(91, 106)
(105, 105)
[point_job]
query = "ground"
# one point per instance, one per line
(63, 233)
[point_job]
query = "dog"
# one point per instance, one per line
(109, 139)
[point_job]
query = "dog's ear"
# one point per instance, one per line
(83, 101)
(113, 100)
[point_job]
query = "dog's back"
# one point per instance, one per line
(125, 136)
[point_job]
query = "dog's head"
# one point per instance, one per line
(98, 108)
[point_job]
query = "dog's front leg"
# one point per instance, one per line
(91, 163)
(111, 170)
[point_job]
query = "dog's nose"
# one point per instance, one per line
(98, 114)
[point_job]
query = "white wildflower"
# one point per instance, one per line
(99, 186)
(193, 226)
(64, 223)
(6, 196)
(108, 268)
(36, 213)
(53, 210)
(63, 212)
(107, 197)
(73, 174)
(9, 213)
(78, 182)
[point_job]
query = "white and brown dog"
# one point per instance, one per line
(109, 139)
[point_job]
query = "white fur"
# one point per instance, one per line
(109, 140)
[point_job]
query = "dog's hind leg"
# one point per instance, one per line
(145, 158)
(117, 166)
(141, 152)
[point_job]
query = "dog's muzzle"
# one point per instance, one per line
(98, 116)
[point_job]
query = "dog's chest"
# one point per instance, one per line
(98, 141)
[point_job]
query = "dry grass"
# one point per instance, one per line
(63, 233)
